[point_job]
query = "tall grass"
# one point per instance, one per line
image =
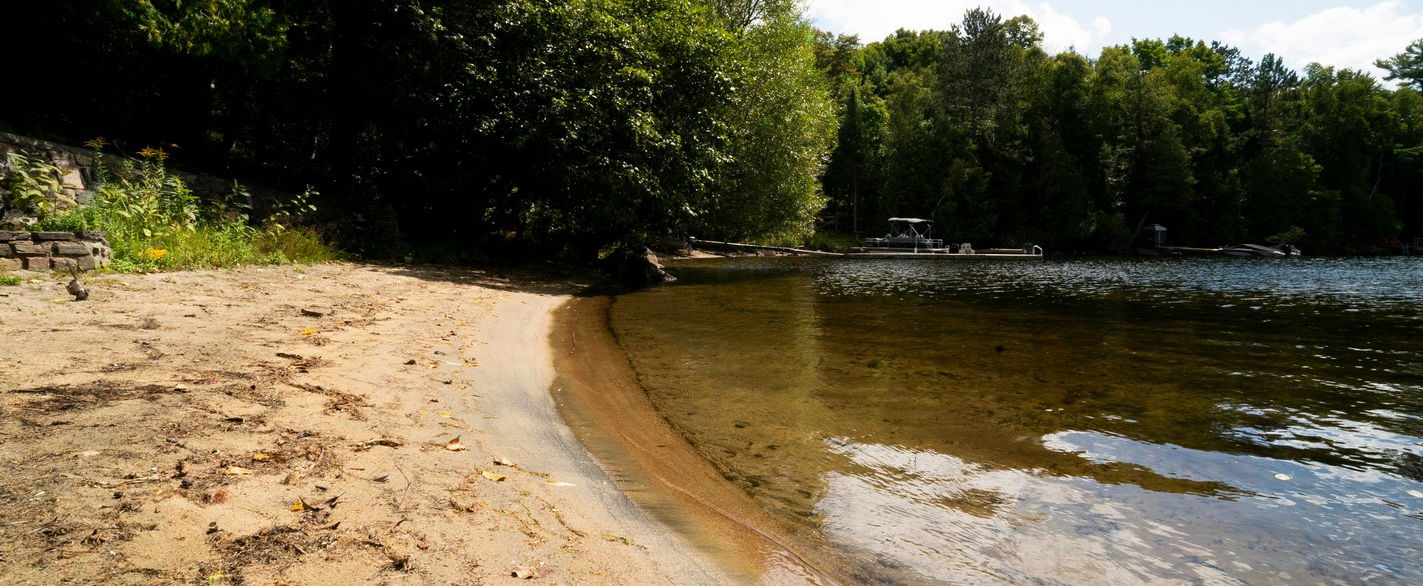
(154, 222)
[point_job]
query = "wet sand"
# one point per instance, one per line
(599, 396)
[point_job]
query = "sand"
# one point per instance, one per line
(600, 395)
(298, 426)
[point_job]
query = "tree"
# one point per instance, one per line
(1406, 66)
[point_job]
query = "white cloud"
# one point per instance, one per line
(877, 20)
(1341, 37)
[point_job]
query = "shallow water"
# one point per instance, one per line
(1213, 420)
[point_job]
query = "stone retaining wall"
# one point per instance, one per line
(78, 172)
(48, 251)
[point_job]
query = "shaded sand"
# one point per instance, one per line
(600, 397)
(295, 425)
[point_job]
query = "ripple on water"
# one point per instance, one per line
(1084, 421)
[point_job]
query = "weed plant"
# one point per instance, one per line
(154, 222)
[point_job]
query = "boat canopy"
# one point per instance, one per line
(912, 220)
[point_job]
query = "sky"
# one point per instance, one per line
(1341, 33)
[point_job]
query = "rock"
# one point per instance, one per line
(17, 219)
(11, 264)
(72, 179)
(71, 249)
(85, 263)
(24, 248)
(8, 235)
(6, 251)
(637, 268)
(37, 263)
(50, 236)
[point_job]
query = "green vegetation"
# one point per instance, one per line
(982, 129)
(28, 184)
(9, 281)
(153, 222)
(515, 127)
(541, 126)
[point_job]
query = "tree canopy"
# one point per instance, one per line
(982, 129)
(573, 125)
(565, 124)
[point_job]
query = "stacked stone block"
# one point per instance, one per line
(49, 251)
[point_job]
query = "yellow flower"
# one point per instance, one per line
(97, 143)
(152, 153)
(157, 253)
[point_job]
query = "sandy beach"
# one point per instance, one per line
(330, 424)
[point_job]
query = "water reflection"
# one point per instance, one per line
(1073, 422)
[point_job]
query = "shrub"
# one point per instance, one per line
(29, 184)
(154, 222)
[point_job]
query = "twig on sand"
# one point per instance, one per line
(400, 505)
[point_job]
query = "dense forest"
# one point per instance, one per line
(995, 138)
(573, 125)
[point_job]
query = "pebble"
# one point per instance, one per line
(1283, 477)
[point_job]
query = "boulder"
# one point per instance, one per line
(637, 267)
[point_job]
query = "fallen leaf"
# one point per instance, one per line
(495, 476)
(455, 446)
(504, 462)
(559, 483)
(261, 457)
(308, 332)
(446, 414)
(385, 478)
(237, 471)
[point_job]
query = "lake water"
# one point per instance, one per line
(1081, 421)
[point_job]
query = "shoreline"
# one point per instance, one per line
(340, 423)
(601, 399)
(529, 410)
